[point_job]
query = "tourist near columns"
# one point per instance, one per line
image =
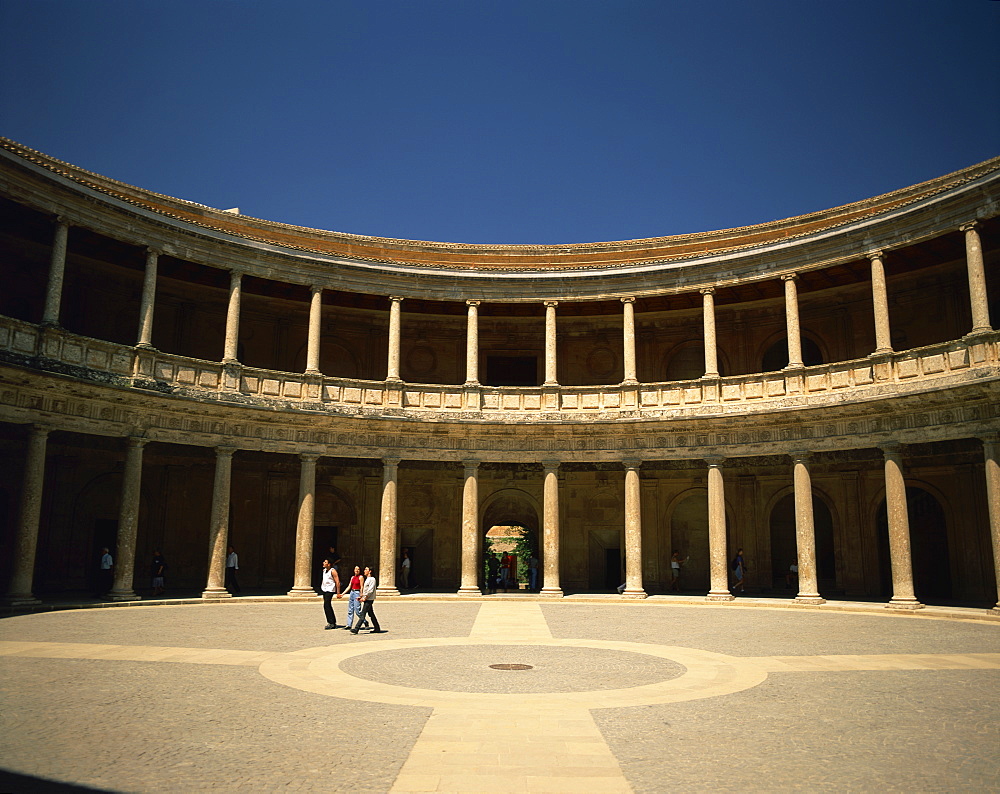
(805, 531)
(470, 529)
(304, 528)
(388, 532)
(128, 522)
(718, 556)
(218, 531)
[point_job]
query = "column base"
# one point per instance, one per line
(303, 593)
(123, 595)
(216, 592)
(552, 592)
(809, 599)
(469, 591)
(386, 591)
(720, 595)
(28, 599)
(634, 593)
(996, 608)
(904, 603)
(983, 331)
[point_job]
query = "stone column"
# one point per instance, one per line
(550, 529)
(19, 592)
(128, 523)
(218, 530)
(471, 558)
(805, 531)
(991, 447)
(717, 533)
(148, 302)
(792, 321)
(550, 343)
(233, 319)
(302, 586)
(880, 302)
(711, 351)
(899, 531)
(472, 345)
(388, 530)
(977, 280)
(315, 321)
(628, 325)
(633, 531)
(392, 368)
(57, 269)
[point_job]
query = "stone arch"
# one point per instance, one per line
(784, 546)
(930, 549)
(686, 361)
(512, 507)
(773, 354)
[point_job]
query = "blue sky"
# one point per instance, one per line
(552, 121)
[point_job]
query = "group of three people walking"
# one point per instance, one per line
(361, 597)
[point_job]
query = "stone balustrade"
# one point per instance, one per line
(911, 371)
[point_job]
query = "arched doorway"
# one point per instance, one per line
(504, 513)
(929, 551)
(784, 548)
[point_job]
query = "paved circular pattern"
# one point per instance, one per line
(545, 669)
(339, 671)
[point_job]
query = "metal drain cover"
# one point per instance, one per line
(511, 666)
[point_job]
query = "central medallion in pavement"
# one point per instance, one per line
(470, 668)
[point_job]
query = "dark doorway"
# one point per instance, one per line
(612, 569)
(511, 370)
(105, 536)
(323, 538)
(929, 550)
(784, 547)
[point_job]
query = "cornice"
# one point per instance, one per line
(421, 255)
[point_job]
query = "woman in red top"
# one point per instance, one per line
(354, 602)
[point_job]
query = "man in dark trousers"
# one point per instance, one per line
(330, 588)
(368, 603)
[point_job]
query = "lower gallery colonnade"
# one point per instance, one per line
(386, 551)
(821, 391)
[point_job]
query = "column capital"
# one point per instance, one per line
(314, 288)
(892, 450)
(873, 255)
(990, 438)
(138, 441)
(471, 466)
(631, 463)
(235, 274)
(225, 452)
(627, 300)
(790, 277)
(153, 251)
(40, 429)
(61, 220)
(550, 304)
(969, 226)
(391, 461)
(309, 457)
(800, 455)
(472, 303)
(396, 298)
(707, 290)
(715, 461)
(551, 465)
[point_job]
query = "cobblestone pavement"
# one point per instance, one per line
(637, 697)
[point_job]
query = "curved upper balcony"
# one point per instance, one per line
(500, 273)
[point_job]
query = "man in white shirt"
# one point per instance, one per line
(232, 566)
(368, 603)
(330, 586)
(106, 572)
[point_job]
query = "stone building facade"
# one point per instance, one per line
(821, 390)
